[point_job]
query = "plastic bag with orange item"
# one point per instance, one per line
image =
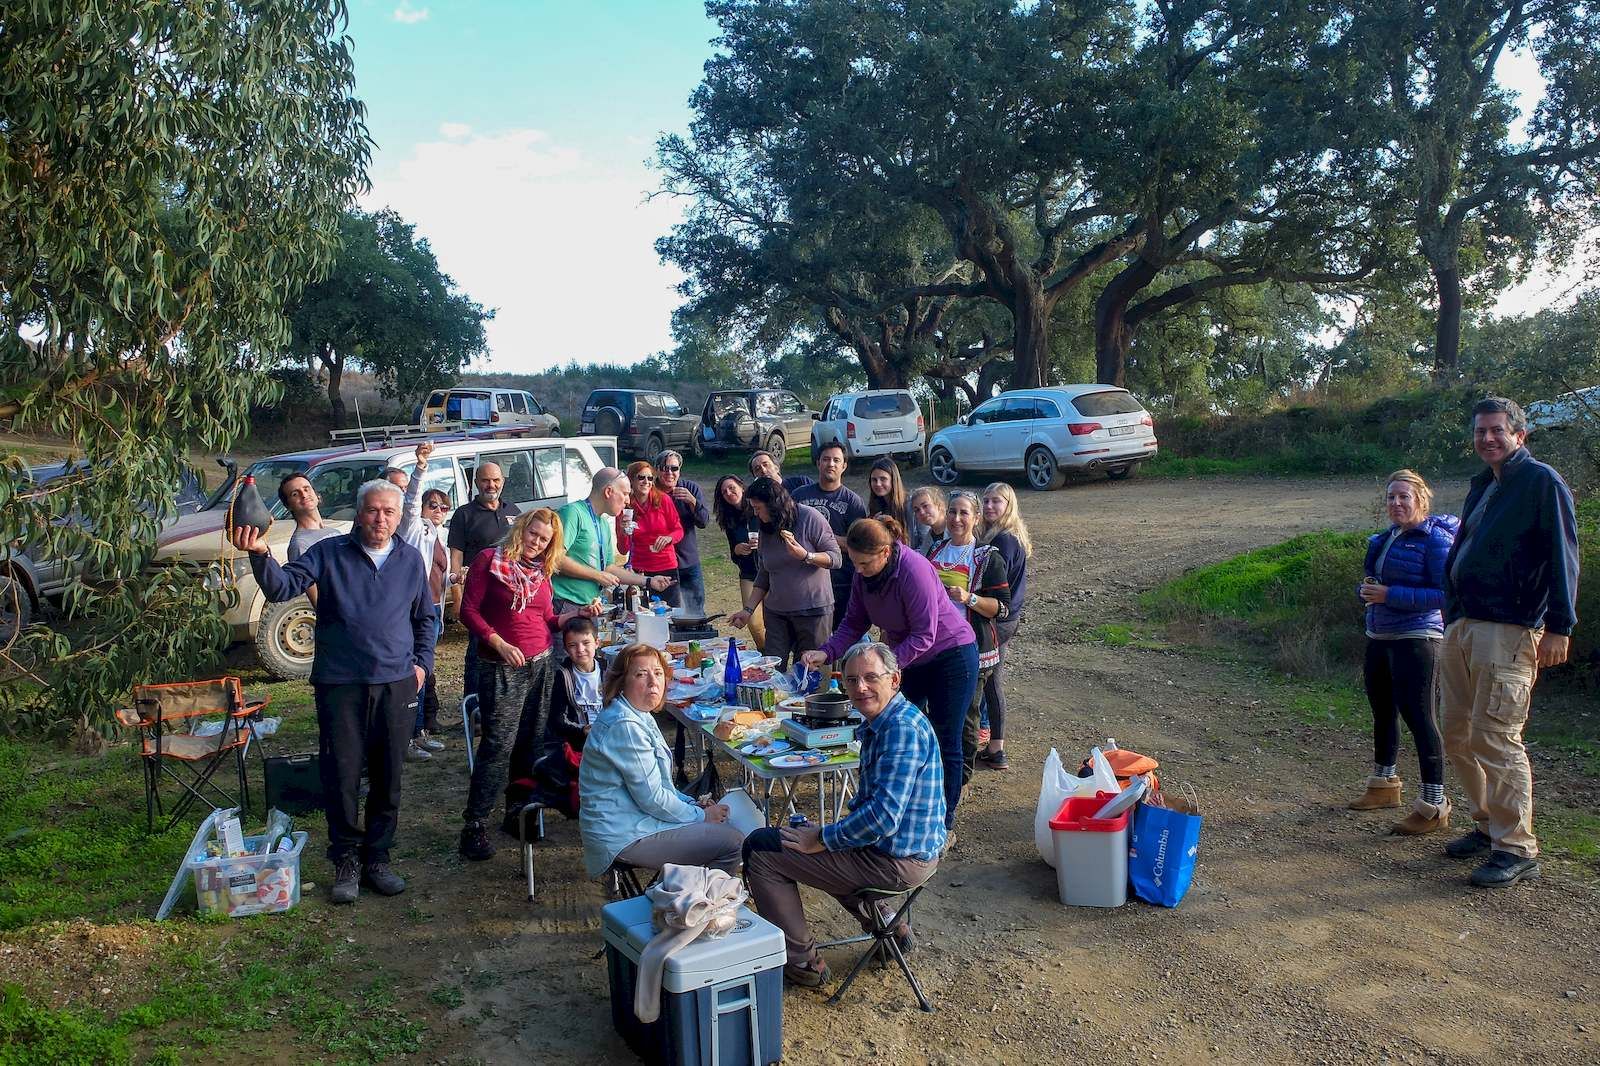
(1126, 765)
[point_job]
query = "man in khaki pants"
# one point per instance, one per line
(1511, 584)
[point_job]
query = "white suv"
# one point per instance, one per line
(880, 422)
(1046, 434)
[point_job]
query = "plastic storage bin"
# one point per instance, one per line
(1091, 853)
(721, 1000)
(249, 884)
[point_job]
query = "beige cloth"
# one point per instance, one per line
(1485, 683)
(758, 622)
(688, 902)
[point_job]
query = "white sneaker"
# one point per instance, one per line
(428, 741)
(416, 754)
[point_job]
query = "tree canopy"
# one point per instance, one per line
(387, 308)
(170, 174)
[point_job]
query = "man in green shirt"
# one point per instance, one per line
(590, 565)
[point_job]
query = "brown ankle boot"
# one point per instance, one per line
(1381, 792)
(1423, 818)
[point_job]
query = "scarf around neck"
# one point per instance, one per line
(879, 581)
(523, 579)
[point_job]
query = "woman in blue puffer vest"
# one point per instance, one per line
(1404, 595)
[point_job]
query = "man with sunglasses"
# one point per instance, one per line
(422, 514)
(692, 515)
(892, 838)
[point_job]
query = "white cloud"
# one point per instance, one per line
(410, 16)
(560, 246)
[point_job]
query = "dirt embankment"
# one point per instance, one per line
(1310, 935)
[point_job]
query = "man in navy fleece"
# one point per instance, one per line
(375, 623)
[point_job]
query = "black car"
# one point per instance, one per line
(645, 423)
(772, 420)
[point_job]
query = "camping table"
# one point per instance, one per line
(836, 778)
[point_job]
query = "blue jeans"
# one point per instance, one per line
(692, 582)
(943, 687)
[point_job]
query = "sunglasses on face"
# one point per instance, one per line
(671, 469)
(644, 477)
(438, 505)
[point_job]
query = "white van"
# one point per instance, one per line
(879, 422)
(500, 408)
(539, 472)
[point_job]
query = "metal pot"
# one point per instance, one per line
(828, 706)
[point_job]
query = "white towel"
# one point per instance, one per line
(686, 903)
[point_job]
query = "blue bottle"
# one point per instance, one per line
(732, 673)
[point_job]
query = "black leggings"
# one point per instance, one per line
(1399, 677)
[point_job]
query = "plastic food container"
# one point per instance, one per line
(248, 884)
(1091, 853)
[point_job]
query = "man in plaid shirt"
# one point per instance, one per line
(892, 837)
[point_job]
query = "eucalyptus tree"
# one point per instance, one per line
(170, 174)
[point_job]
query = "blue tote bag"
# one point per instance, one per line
(1161, 853)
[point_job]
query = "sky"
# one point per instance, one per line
(517, 135)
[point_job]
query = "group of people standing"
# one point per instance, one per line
(1461, 614)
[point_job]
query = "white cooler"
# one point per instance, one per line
(721, 1000)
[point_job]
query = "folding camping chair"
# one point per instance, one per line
(187, 731)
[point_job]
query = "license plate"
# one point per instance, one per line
(1121, 431)
(586, 427)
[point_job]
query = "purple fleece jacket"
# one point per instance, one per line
(918, 618)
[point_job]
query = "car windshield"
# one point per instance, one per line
(269, 474)
(1112, 402)
(885, 405)
(335, 484)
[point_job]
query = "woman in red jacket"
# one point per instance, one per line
(648, 531)
(507, 606)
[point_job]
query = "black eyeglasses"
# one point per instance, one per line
(671, 469)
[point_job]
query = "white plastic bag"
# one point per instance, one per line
(1054, 788)
(1102, 777)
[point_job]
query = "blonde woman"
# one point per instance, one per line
(927, 505)
(507, 606)
(1402, 589)
(1004, 528)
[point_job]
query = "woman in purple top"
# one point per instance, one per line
(898, 591)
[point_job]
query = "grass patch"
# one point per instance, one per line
(1121, 635)
(1565, 831)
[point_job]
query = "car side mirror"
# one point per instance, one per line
(816, 416)
(964, 420)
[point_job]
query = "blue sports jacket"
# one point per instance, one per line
(1414, 572)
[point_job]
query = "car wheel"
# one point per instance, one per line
(16, 608)
(653, 447)
(1043, 473)
(286, 639)
(777, 447)
(608, 422)
(942, 465)
(696, 446)
(1122, 473)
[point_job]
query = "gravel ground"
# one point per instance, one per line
(1309, 935)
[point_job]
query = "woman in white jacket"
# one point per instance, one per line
(627, 807)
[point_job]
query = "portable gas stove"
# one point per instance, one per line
(821, 732)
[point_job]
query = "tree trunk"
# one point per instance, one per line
(1030, 317)
(1113, 334)
(334, 363)
(989, 375)
(1447, 331)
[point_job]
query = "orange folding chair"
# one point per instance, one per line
(187, 731)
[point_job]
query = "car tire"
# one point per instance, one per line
(1122, 473)
(608, 422)
(16, 608)
(775, 444)
(1044, 473)
(696, 445)
(653, 447)
(942, 467)
(286, 639)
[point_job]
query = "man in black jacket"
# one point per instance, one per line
(1511, 586)
(375, 628)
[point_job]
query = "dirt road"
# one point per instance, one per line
(1309, 934)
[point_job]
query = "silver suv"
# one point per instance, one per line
(879, 422)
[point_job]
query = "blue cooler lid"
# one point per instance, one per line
(754, 946)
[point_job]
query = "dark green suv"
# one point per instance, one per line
(645, 423)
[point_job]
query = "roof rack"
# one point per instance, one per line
(383, 436)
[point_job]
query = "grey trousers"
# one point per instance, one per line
(506, 695)
(775, 877)
(714, 844)
(790, 634)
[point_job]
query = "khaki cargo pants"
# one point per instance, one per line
(1485, 680)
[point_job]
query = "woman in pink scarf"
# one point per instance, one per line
(507, 606)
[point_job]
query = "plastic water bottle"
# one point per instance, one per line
(732, 673)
